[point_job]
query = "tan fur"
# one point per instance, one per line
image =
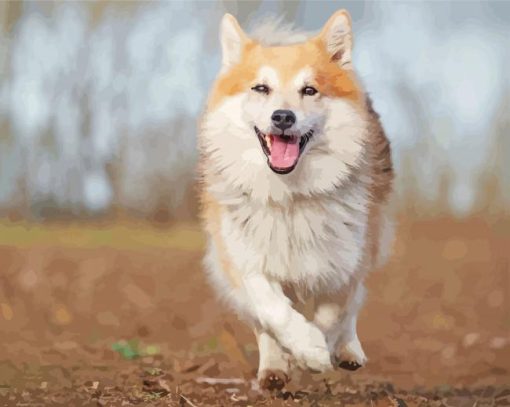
(288, 60)
(211, 212)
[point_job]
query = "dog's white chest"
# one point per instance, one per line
(312, 242)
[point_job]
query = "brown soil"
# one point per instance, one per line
(435, 326)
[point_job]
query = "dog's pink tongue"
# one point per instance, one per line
(284, 153)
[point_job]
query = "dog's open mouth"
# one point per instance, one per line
(283, 151)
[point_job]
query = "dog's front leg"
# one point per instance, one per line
(273, 372)
(274, 313)
(336, 315)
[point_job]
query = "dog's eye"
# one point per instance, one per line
(261, 89)
(308, 91)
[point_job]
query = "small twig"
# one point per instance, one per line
(214, 380)
(188, 401)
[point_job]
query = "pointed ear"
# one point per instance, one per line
(336, 36)
(232, 39)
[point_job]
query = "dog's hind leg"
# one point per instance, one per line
(273, 362)
(336, 316)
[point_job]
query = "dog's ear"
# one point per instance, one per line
(336, 36)
(232, 39)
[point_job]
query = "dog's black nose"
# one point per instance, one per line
(283, 119)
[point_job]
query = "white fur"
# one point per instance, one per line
(269, 76)
(323, 168)
(306, 229)
(273, 31)
(271, 354)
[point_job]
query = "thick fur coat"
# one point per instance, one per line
(291, 229)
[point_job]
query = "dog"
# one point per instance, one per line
(295, 178)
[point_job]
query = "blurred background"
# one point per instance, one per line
(99, 245)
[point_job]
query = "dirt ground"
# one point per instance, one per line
(120, 315)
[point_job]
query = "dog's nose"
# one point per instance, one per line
(283, 119)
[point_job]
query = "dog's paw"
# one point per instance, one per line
(312, 352)
(348, 365)
(273, 380)
(351, 356)
(318, 360)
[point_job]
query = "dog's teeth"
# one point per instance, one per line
(268, 141)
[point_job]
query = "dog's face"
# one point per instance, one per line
(283, 104)
(284, 114)
(284, 100)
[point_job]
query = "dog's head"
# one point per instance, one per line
(285, 99)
